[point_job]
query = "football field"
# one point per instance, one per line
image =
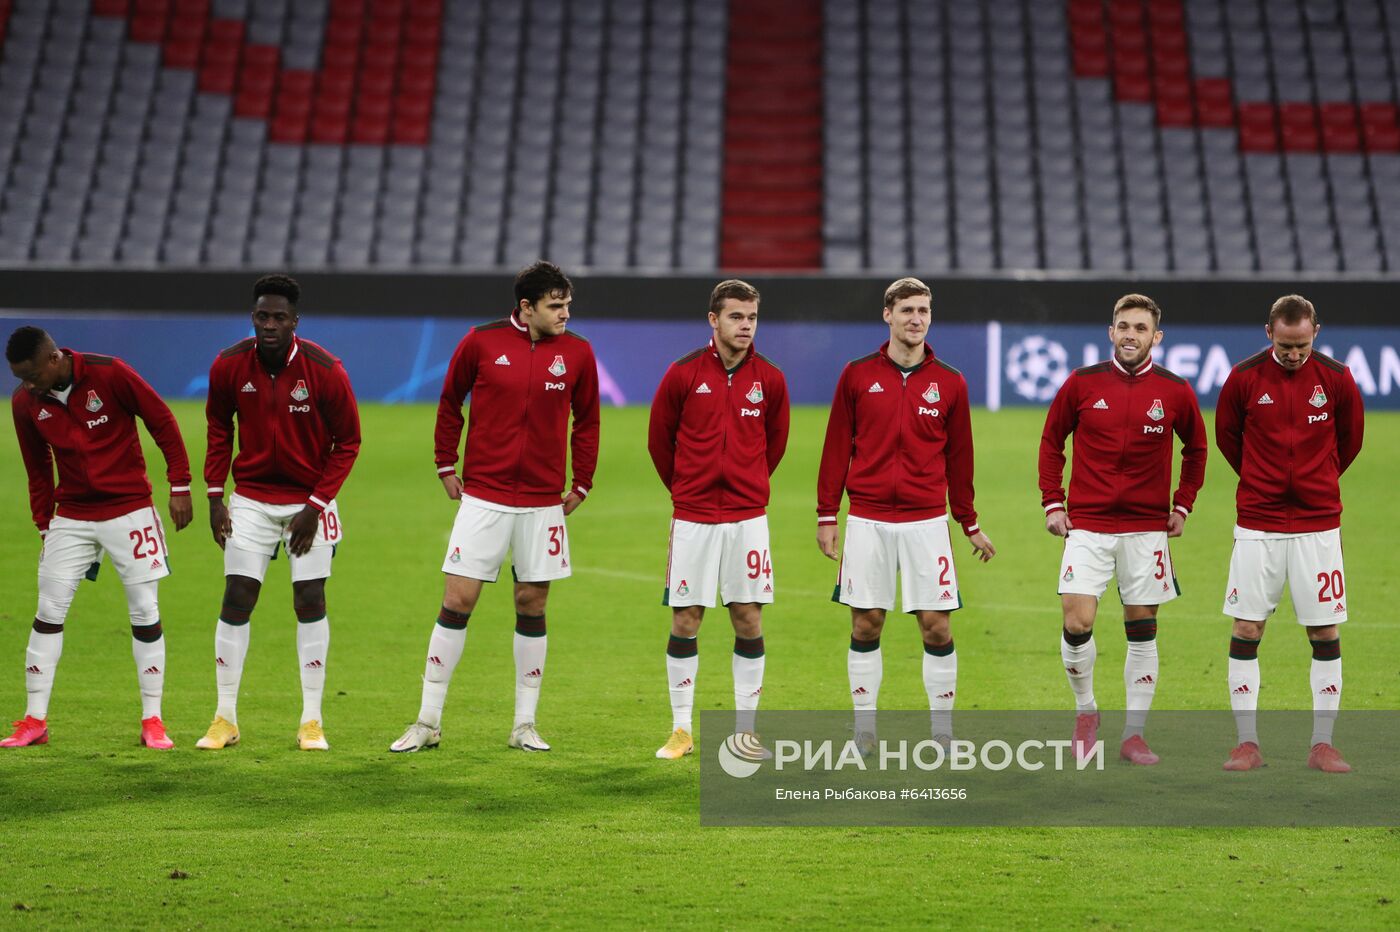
(95, 830)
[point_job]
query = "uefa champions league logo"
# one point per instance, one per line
(1037, 367)
(741, 755)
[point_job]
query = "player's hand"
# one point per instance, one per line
(982, 546)
(302, 531)
(181, 511)
(1176, 523)
(828, 537)
(219, 522)
(1058, 523)
(571, 503)
(453, 484)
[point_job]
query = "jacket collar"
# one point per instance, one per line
(1139, 372)
(928, 356)
(292, 350)
(714, 353)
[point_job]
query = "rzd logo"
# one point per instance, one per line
(1154, 428)
(101, 420)
(931, 412)
(299, 409)
(1314, 418)
(554, 386)
(750, 412)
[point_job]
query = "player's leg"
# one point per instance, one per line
(475, 550)
(1146, 580)
(745, 586)
(1258, 570)
(940, 670)
(1086, 567)
(313, 648)
(866, 582)
(693, 557)
(1317, 584)
(69, 549)
(530, 646)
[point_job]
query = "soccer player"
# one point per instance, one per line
(526, 374)
(1122, 414)
(899, 444)
(298, 435)
(78, 411)
(1289, 421)
(719, 426)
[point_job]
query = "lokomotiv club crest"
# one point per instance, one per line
(755, 394)
(299, 393)
(94, 404)
(931, 393)
(557, 367)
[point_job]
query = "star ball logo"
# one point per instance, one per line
(741, 755)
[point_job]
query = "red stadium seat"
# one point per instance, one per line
(1256, 137)
(1341, 138)
(187, 28)
(340, 56)
(152, 7)
(370, 130)
(382, 31)
(256, 80)
(1090, 63)
(253, 103)
(1086, 13)
(1215, 90)
(296, 82)
(1299, 137)
(195, 9)
(181, 53)
(226, 30)
(1258, 114)
(1123, 12)
(375, 80)
(410, 131)
(111, 7)
(1174, 112)
(1381, 138)
(1215, 112)
(337, 81)
(343, 32)
(220, 53)
(261, 56)
(1132, 41)
(1378, 114)
(217, 78)
(422, 31)
(1167, 87)
(381, 56)
(416, 80)
(1298, 114)
(373, 105)
(1132, 87)
(331, 104)
(329, 128)
(147, 27)
(287, 126)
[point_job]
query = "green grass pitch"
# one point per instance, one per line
(97, 831)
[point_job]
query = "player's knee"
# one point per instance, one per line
(747, 619)
(309, 599)
(240, 597)
(531, 598)
(867, 624)
(1323, 633)
(55, 596)
(1251, 630)
(143, 604)
(936, 628)
(685, 621)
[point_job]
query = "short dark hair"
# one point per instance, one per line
(1291, 309)
(543, 278)
(1132, 302)
(25, 343)
(905, 288)
(731, 288)
(283, 285)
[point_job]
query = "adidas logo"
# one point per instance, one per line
(247, 387)
(1329, 690)
(501, 360)
(945, 596)
(155, 564)
(152, 670)
(860, 691)
(534, 674)
(756, 692)
(947, 695)
(1072, 671)
(44, 415)
(563, 564)
(1339, 609)
(1101, 405)
(435, 661)
(1264, 399)
(34, 670)
(686, 683)
(767, 587)
(220, 662)
(875, 388)
(1241, 690)
(704, 389)
(312, 665)
(1145, 680)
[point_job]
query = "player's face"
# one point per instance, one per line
(909, 320)
(274, 322)
(735, 324)
(1293, 343)
(41, 373)
(547, 317)
(1133, 335)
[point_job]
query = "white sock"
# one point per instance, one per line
(680, 674)
(1079, 669)
(444, 650)
(865, 669)
(150, 672)
(40, 663)
(230, 650)
(1139, 684)
(941, 684)
(1326, 679)
(748, 683)
(313, 644)
(529, 672)
(1244, 697)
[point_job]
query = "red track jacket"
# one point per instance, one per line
(1290, 436)
(101, 472)
(1122, 425)
(716, 436)
(522, 393)
(901, 448)
(298, 431)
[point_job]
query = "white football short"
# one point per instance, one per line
(1141, 561)
(135, 542)
(920, 551)
(484, 532)
(259, 527)
(733, 557)
(1311, 564)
